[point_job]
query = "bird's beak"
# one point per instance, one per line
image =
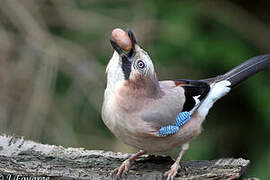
(122, 53)
(126, 57)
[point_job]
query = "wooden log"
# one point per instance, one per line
(27, 160)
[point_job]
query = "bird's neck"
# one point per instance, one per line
(114, 73)
(141, 86)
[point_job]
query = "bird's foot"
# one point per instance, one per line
(170, 174)
(125, 166)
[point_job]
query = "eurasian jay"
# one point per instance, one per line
(137, 105)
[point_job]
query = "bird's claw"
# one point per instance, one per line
(124, 168)
(170, 174)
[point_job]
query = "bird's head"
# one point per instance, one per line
(131, 66)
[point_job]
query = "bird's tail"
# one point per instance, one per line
(220, 87)
(244, 70)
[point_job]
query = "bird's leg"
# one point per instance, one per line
(125, 166)
(174, 168)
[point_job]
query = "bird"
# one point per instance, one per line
(137, 106)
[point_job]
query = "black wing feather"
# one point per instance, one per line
(193, 88)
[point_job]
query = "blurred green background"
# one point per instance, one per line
(53, 55)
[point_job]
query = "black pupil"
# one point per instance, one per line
(140, 64)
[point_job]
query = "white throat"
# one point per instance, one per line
(114, 72)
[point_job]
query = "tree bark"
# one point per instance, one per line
(27, 160)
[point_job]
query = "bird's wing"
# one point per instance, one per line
(195, 92)
(177, 96)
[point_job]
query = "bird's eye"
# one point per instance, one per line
(140, 64)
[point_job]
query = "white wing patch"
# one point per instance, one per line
(218, 90)
(197, 103)
(197, 100)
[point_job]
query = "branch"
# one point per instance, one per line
(20, 158)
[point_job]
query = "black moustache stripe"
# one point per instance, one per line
(126, 67)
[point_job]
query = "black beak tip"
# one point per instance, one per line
(116, 47)
(132, 37)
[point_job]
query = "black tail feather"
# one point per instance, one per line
(244, 70)
(247, 69)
